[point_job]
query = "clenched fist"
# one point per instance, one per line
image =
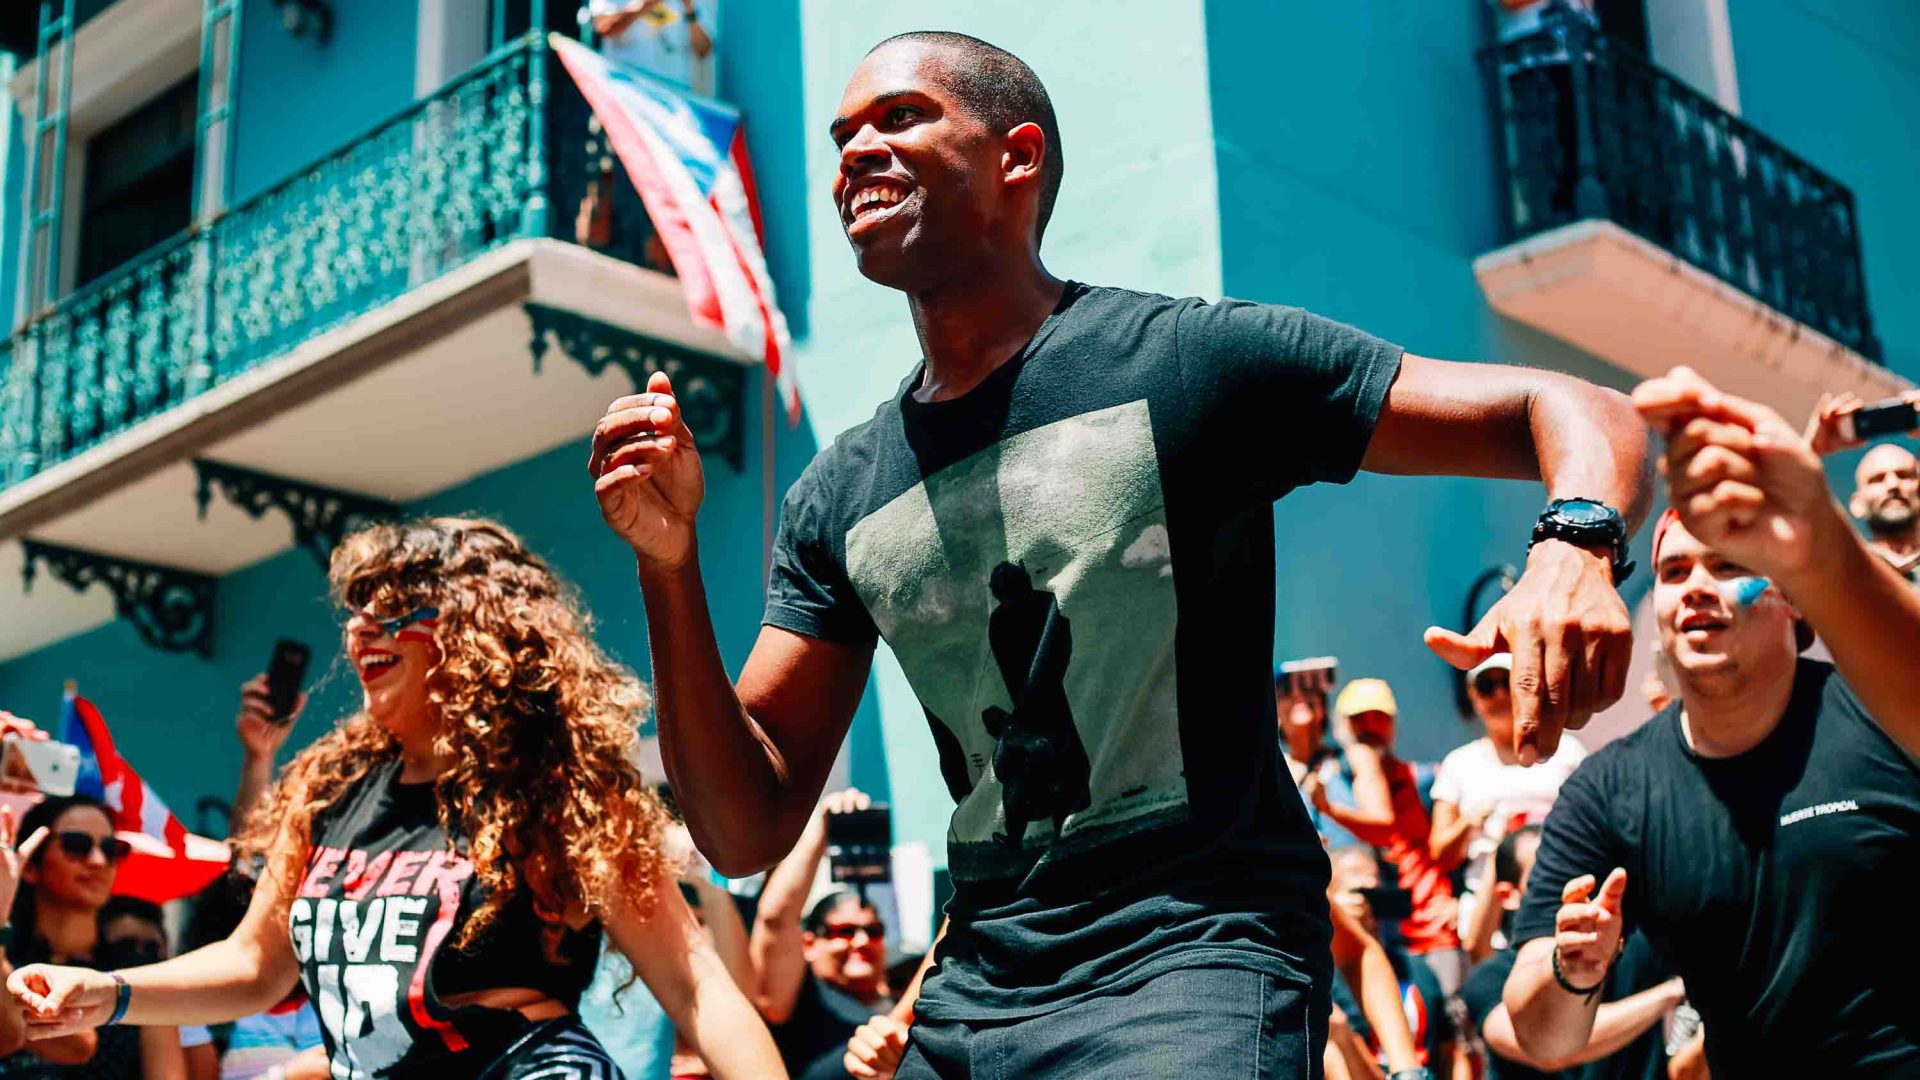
(647, 475)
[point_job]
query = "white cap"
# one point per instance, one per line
(1498, 661)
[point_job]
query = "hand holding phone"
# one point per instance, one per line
(38, 765)
(860, 844)
(1895, 417)
(284, 673)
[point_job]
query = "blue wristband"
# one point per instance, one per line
(122, 997)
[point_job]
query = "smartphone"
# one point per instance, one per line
(1896, 417)
(52, 767)
(1315, 675)
(860, 844)
(284, 674)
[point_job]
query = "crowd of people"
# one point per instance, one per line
(1062, 529)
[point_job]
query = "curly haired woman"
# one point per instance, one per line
(435, 867)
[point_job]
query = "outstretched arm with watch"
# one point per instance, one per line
(1564, 622)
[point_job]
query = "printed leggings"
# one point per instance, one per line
(557, 1049)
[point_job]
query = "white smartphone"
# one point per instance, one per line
(51, 767)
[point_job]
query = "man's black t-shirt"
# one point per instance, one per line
(822, 1021)
(1767, 879)
(1074, 565)
(1639, 968)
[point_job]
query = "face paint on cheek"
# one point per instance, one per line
(1746, 591)
(420, 631)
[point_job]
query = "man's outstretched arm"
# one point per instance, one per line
(1567, 628)
(747, 765)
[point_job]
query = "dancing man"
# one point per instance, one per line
(1157, 894)
(437, 866)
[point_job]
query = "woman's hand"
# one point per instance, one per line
(14, 859)
(62, 1000)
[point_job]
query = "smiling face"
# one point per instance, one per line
(920, 189)
(392, 652)
(1706, 635)
(1886, 492)
(850, 950)
(74, 881)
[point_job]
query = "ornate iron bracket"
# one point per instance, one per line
(320, 515)
(171, 608)
(711, 391)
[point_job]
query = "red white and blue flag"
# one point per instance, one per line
(687, 157)
(167, 862)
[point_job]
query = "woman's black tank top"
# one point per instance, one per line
(383, 898)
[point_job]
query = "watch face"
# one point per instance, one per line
(1586, 512)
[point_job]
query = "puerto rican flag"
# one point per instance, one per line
(687, 157)
(167, 862)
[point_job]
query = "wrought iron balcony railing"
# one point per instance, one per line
(482, 161)
(1590, 129)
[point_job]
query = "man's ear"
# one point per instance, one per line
(1857, 506)
(1025, 154)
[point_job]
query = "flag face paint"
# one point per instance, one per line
(416, 625)
(1745, 591)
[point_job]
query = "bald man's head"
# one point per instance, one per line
(1886, 492)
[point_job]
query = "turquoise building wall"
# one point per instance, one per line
(298, 101)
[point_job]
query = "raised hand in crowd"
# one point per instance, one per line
(14, 858)
(261, 737)
(876, 1048)
(1752, 489)
(1587, 930)
(1825, 432)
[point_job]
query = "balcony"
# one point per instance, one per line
(1649, 226)
(395, 319)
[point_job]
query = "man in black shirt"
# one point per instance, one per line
(1625, 1043)
(1100, 466)
(1753, 830)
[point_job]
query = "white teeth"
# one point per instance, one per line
(369, 663)
(875, 196)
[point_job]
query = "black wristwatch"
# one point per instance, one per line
(1586, 523)
(1420, 1073)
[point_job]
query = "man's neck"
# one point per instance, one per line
(70, 933)
(1721, 720)
(968, 331)
(1898, 548)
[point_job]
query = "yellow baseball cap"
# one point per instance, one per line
(1366, 695)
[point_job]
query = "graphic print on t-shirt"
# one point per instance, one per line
(990, 580)
(371, 946)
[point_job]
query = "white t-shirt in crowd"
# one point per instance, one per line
(1472, 777)
(660, 44)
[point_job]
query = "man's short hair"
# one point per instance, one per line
(1000, 89)
(1506, 857)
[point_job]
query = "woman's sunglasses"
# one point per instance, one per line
(398, 623)
(78, 845)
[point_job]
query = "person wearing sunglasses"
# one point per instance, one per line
(821, 968)
(1482, 791)
(438, 869)
(66, 882)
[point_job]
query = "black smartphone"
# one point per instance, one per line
(284, 674)
(1895, 417)
(860, 844)
(1389, 903)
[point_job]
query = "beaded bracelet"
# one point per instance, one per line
(1560, 976)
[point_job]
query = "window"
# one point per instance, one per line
(138, 185)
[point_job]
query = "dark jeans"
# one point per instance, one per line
(1196, 1024)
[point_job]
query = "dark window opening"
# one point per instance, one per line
(1625, 21)
(138, 188)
